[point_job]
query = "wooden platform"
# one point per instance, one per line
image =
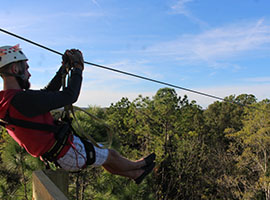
(50, 185)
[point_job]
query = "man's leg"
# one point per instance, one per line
(116, 164)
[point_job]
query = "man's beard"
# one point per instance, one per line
(24, 84)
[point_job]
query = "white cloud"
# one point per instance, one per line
(27, 21)
(17, 23)
(61, 15)
(258, 79)
(180, 7)
(103, 77)
(218, 44)
(260, 91)
(105, 97)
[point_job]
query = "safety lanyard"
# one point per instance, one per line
(69, 110)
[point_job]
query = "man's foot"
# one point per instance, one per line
(147, 170)
(149, 159)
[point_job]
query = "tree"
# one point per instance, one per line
(251, 154)
(222, 115)
(16, 170)
(174, 124)
(219, 117)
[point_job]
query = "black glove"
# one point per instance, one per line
(73, 59)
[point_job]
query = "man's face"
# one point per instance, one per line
(25, 83)
(26, 70)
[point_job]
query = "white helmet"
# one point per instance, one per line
(9, 54)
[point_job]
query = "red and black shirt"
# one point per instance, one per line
(35, 106)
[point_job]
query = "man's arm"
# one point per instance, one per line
(73, 59)
(36, 102)
(56, 82)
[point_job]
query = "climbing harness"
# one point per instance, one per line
(62, 128)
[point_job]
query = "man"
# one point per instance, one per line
(26, 115)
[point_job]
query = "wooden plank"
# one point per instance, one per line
(59, 178)
(45, 189)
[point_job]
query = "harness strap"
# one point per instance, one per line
(87, 136)
(90, 152)
(69, 109)
(28, 124)
(61, 140)
(89, 148)
(61, 133)
(3, 123)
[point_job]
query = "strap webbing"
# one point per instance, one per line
(69, 110)
(108, 128)
(28, 124)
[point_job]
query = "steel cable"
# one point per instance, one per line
(128, 73)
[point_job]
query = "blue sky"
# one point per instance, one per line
(217, 47)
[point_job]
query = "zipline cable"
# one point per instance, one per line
(131, 74)
(116, 70)
(138, 76)
(30, 41)
(135, 75)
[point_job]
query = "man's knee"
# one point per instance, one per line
(112, 155)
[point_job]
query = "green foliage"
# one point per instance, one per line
(90, 126)
(221, 152)
(251, 153)
(15, 170)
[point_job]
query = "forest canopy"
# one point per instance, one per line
(220, 152)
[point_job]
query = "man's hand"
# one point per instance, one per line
(73, 58)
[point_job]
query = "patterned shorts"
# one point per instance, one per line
(75, 158)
